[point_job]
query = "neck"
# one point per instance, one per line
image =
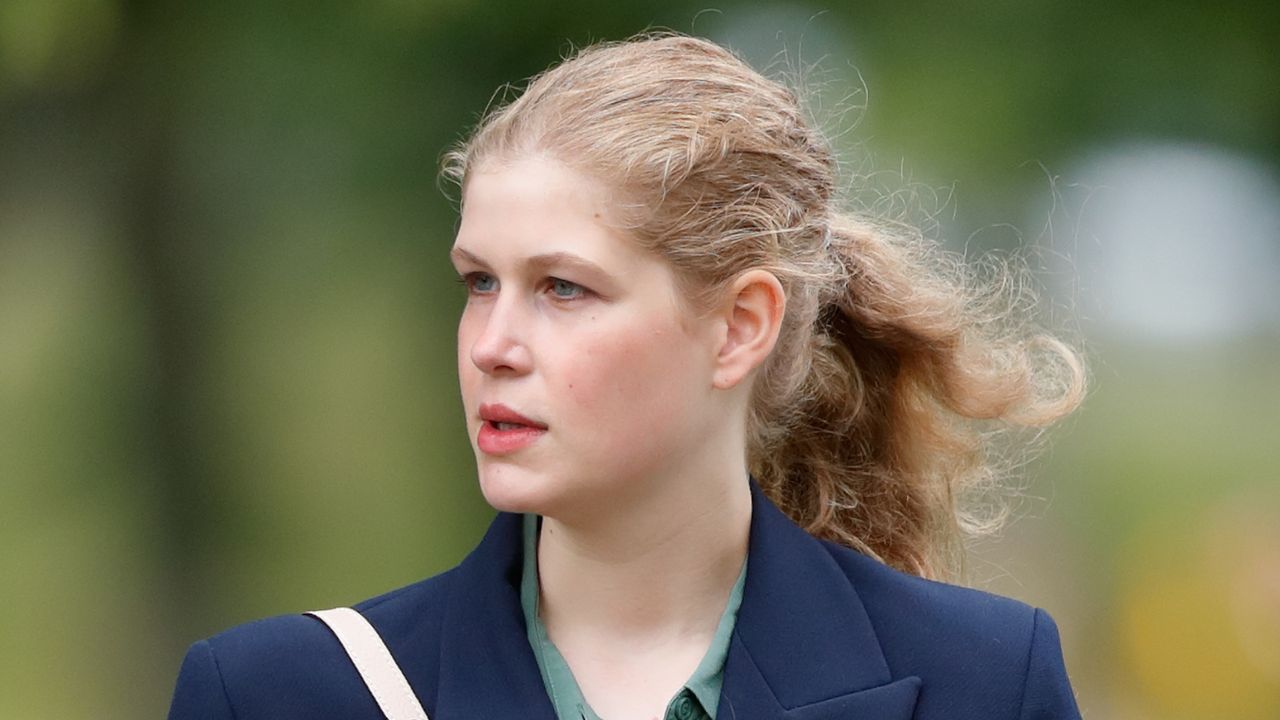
(651, 571)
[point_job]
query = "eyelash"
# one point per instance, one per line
(468, 280)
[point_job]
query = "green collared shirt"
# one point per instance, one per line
(697, 700)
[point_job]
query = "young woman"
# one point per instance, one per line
(729, 429)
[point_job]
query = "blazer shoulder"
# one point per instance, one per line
(988, 649)
(272, 639)
(937, 609)
(292, 665)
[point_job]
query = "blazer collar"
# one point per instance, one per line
(487, 668)
(803, 647)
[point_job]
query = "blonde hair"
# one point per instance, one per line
(873, 420)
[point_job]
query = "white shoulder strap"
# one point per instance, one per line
(374, 662)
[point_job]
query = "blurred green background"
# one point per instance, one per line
(227, 375)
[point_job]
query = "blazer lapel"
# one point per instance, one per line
(487, 669)
(803, 647)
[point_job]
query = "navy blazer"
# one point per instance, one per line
(823, 632)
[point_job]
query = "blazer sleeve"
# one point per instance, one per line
(1047, 693)
(200, 692)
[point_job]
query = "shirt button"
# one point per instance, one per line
(684, 708)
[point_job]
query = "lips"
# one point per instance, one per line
(499, 413)
(505, 431)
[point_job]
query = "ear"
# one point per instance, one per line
(752, 316)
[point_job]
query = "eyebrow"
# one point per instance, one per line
(541, 261)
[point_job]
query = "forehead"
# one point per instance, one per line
(539, 205)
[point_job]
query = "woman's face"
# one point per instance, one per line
(580, 332)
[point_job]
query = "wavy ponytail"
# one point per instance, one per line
(915, 370)
(874, 420)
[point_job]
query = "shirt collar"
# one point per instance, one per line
(802, 646)
(705, 682)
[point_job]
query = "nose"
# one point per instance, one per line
(499, 348)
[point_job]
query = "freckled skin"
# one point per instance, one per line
(622, 383)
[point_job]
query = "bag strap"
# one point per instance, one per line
(374, 662)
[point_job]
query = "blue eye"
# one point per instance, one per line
(479, 282)
(565, 290)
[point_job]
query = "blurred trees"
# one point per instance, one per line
(226, 319)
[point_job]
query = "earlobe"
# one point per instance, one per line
(752, 314)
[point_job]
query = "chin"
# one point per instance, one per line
(513, 489)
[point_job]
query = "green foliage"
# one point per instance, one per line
(227, 373)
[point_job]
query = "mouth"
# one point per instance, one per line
(500, 417)
(506, 425)
(503, 431)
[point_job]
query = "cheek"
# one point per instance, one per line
(468, 373)
(634, 391)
